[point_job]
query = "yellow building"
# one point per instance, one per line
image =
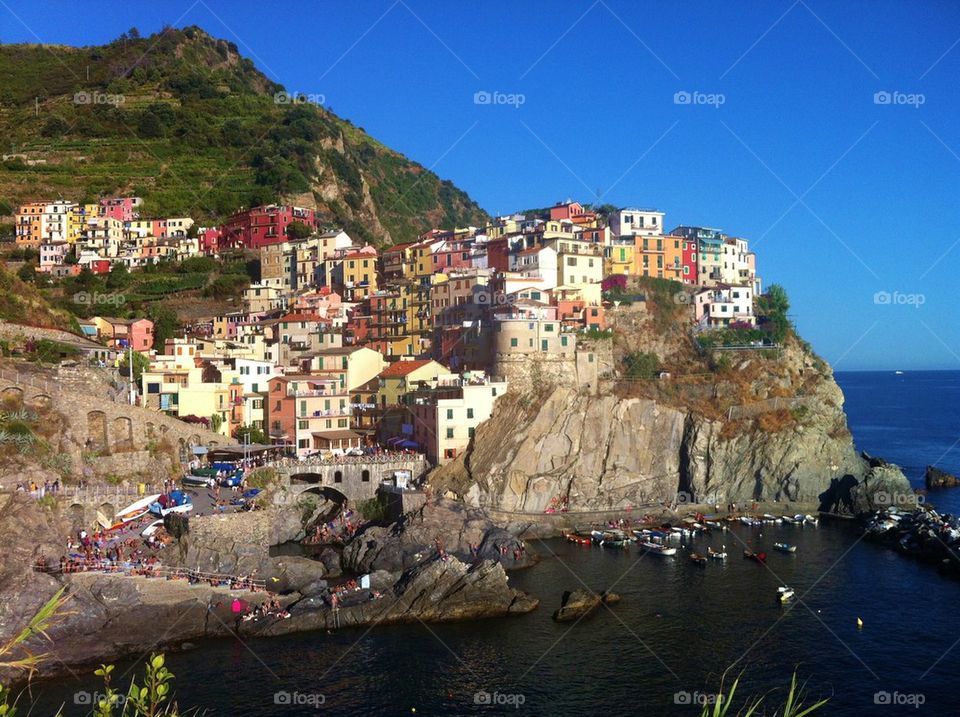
(619, 259)
(403, 377)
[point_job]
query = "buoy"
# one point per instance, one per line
(859, 622)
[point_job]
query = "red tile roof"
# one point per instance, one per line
(403, 368)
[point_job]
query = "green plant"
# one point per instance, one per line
(641, 364)
(793, 706)
(373, 509)
(147, 700)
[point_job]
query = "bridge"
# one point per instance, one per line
(353, 478)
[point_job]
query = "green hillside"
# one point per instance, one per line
(181, 119)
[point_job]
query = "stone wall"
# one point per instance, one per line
(355, 479)
(581, 370)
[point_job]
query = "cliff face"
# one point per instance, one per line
(770, 429)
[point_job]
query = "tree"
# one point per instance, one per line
(299, 230)
(772, 309)
(140, 363)
(641, 364)
(55, 127)
(216, 421)
(255, 434)
(165, 324)
(119, 277)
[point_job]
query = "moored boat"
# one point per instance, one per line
(811, 520)
(656, 549)
(785, 547)
(698, 559)
(758, 557)
(784, 593)
(716, 554)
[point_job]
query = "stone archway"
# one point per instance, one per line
(41, 402)
(77, 514)
(11, 396)
(97, 430)
(122, 434)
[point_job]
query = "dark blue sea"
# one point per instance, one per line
(679, 628)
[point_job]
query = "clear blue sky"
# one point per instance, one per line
(841, 197)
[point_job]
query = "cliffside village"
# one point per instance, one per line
(343, 347)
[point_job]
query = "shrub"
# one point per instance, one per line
(641, 364)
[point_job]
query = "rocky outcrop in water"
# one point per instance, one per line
(921, 533)
(405, 543)
(936, 478)
(611, 452)
(580, 603)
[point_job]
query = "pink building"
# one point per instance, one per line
(51, 255)
(123, 209)
(137, 333)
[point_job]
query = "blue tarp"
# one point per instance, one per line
(252, 493)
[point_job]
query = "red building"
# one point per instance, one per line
(100, 266)
(260, 226)
(498, 254)
(210, 240)
(452, 254)
(123, 209)
(688, 261)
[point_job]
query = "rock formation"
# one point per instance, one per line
(786, 440)
(936, 478)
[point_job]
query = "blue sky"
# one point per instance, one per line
(784, 144)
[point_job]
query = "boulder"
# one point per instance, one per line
(292, 573)
(577, 604)
(936, 478)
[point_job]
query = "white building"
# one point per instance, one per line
(636, 223)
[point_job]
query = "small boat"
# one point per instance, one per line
(614, 543)
(152, 528)
(698, 559)
(784, 593)
(758, 557)
(747, 520)
(656, 549)
(579, 539)
(716, 554)
(767, 518)
(713, 525)
(785, 547)
(136, 509)
(198, 481)
(810, 520)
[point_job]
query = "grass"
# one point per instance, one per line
(794, 704)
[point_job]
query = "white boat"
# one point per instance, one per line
(136, 509)
(658, 549)
(784, 593)
(185, 508)
(716, 555)
(810, 520)
(152, 528)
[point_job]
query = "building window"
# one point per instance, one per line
(365, 476)
(471, 431)
(513, 343)
(449, 414)
(449, 433)
(338, 477)
(469, 413)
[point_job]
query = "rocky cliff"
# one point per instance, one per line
(766, 427)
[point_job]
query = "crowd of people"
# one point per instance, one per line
(37, 490)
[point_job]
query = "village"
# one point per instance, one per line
(341, 348)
